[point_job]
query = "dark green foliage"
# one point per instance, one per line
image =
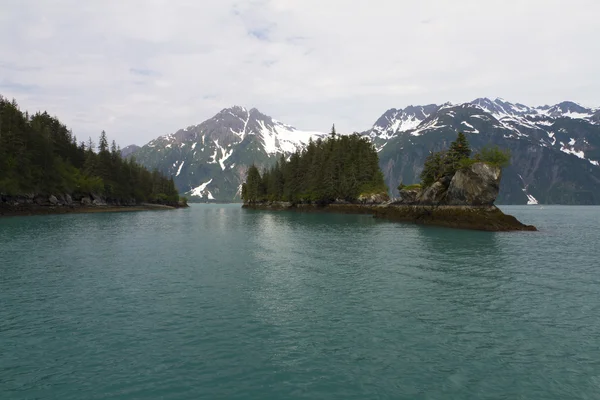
(495, 156)
(39, 155)
(446, 163)
(434, 168)
(339, 167)
(414, 186)
(459, 149)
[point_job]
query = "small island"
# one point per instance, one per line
(341, 174)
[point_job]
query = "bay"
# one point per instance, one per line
(219, 302)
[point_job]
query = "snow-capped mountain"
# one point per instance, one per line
(209, 160)
(129, 150)
(555, 149)
(397, 121)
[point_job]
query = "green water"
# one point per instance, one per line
(216, 302)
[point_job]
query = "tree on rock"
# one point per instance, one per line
(459, 149)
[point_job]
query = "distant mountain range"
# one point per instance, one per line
(555, 149)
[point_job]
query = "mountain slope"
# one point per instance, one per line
(555, 149)
(209, 161)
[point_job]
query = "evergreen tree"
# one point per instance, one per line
(40, 155)
(340, 167)
(459, 149)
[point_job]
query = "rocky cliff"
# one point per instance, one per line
(462, 200)
(477, 185)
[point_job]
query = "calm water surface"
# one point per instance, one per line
(217, 302)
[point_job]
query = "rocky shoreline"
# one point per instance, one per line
(464, 200)
(64, 204)
(482, 218)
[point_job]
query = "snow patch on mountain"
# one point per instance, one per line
(281, 138)
(530, 199)
(468, 125)
(226, 154)
(199, 191)
(427, 126)
(180, 166)
(564, 149)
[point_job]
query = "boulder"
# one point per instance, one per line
(68, 199)
(53, 200)
(477, 185)
(40, 200)
(96, 197)
(97, 200)
(373, 198)
(409, 196)
(86, 201)
(433, 195)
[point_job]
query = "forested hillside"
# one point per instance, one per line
(40, 155)
(337, 168)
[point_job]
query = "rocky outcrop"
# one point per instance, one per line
(409, 196)
(373, 198)
(29, 204)
(476, 185)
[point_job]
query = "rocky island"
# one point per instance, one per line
(456, 190)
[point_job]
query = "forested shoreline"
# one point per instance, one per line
(341, 167)
(39, 155)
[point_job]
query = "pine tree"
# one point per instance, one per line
(340, 167)
(459, 149)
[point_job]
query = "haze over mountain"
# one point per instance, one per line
(555, 149)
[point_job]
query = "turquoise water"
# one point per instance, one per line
(218, 302)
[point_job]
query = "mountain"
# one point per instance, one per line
(209, 161)
(555, 149)
(129, 150)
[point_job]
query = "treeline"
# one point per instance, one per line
(40, 155)
(447, 162)
(339, 167)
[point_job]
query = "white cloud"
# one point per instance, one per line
(140, 69)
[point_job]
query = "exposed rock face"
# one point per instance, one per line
(409, 196)
(477, 185)
(53, 200)
(434, 194)
(376, 198)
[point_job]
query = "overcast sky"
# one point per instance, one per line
(143, 68)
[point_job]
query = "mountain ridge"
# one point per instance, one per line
(209, 160)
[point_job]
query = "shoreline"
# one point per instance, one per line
(30, 210)
(481, 218)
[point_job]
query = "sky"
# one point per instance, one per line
(139, 69)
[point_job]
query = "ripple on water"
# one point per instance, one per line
(219, 302)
